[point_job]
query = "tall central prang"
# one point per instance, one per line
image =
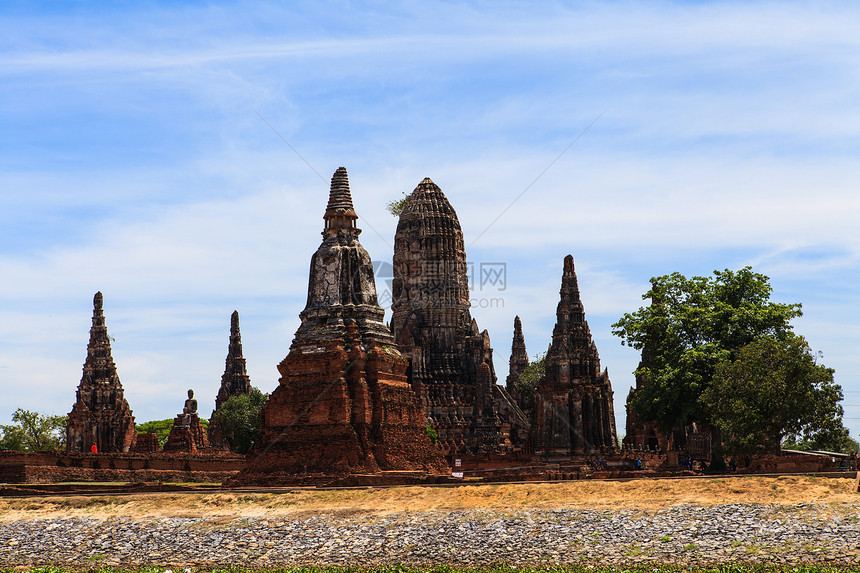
(450, 358)
(343, 404)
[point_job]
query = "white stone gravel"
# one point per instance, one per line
(804, 533)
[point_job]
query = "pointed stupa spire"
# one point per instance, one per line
(235, 335)
(519, 343)
(341, 284)
(574, 394)
(100, 416)
(519, 358)
(571, 332)
(235, 380)
(339, 213)
(570, 313)
(569, 284)
(98, 350)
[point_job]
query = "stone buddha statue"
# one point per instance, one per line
(189, 411)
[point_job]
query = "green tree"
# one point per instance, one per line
(33, 432)
(161, 428)
(774, 388)
(529, 379)
(12, 438)
(240, 420)
(846, 444)
(690, 327)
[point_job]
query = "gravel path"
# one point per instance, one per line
(802, 533)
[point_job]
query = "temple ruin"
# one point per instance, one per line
(450, 359)
(187, 434)
(574, 414)
(234, 382)
(343, 404)
(518, 361)
(101, 419)
(362, 403)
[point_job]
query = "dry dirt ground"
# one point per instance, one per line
(641, 494)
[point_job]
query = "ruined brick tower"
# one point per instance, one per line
(518, 362)
(343, 405)
(574, 413)
(234, 382)
(451, 361)
(101, 415)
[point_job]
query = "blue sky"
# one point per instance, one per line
(136, 158)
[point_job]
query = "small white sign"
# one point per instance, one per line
(458, 462)
(457, 474)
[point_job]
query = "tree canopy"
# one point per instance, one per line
(240, 421)
(161, 428)
(775, 388)
(33, 432)
(691, 326)
(846, 445)
(529, 379)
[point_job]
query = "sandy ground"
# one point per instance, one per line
(641, 494)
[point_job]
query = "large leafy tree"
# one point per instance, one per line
(527, 384)
(240, 420)
(33, 432)
(775, 388)
(691, 326)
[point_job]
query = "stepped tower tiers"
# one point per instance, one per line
(519, 360)
(574, 413)
(101, 416)
(435, 331)
(234, 382)
(343, 405)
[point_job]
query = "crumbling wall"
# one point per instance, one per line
(53, 467)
